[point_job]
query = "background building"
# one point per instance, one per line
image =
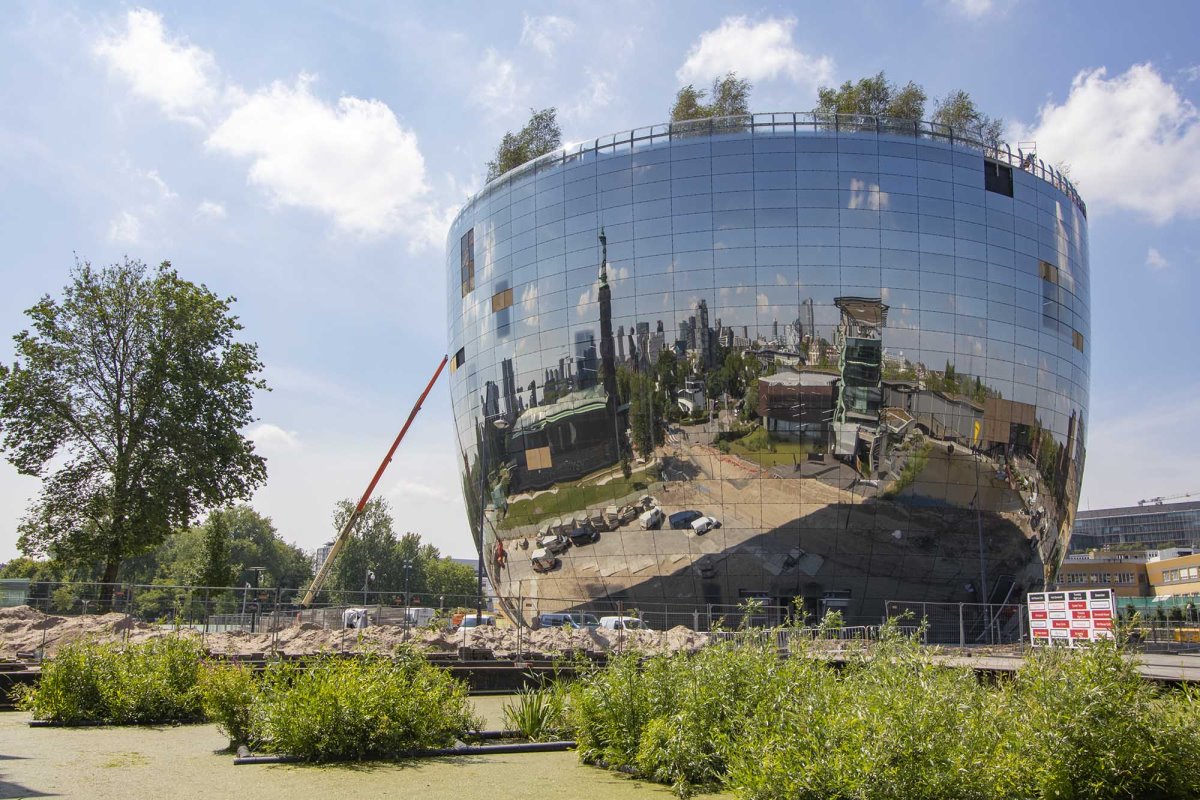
(928, 294)
(1138, 527)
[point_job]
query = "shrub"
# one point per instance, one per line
(541, 714)
(138, 684)
(329, 709)
(227, 694)
(674, 719)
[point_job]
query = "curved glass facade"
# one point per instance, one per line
(862, 348)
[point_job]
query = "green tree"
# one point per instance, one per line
(128, 398)
(957, 109)
(873, 96)
(730, 98)
(217, 567)
(539, 136)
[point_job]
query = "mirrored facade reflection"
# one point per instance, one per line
(862, 349)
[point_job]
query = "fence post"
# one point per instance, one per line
(695, 619)
(962, 633)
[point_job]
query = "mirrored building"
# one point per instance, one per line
(860, 345)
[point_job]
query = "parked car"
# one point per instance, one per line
(554, 543)
(652, 519)
(682, 520)
(483, 621)
(564, 620)
(582, 536)
(543, 560)
(622, 624)
(704, 525)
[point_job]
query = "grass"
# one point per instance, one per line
(572, 498)
(766, 451)
(912, 468)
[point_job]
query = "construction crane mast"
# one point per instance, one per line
(348, 529)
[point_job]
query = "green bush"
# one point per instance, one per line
(894, 722)
(371, 706)
(674, 719)
(541, 714)
(137, 684)
(227, 693)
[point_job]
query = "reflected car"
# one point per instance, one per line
(704, 525)
(652, 519)
(543, 561)
(582, 536)
(554, 543)
(682, 520)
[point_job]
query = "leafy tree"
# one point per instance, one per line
(730, 98)
(539, 136)
(128, 398)
(217, 567)
(958, 110)
(376, 547)
(645, 421)
(873, 96)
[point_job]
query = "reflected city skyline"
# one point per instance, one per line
(932, 389)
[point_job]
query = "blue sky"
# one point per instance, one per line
(307, 158)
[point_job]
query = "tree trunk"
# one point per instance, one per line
(111, 566)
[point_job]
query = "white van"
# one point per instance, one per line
(622, 624)
(652, 519)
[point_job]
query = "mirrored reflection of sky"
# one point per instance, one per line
(308, 163)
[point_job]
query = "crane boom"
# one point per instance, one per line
(347, 529)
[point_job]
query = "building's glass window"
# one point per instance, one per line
(502, 300)
(466, 255)
(998, 178)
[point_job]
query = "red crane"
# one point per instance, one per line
(356, 514)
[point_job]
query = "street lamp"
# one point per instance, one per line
(407, 569)
(497, 421)
(368, 576)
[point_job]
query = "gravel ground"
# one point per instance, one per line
(185, 762)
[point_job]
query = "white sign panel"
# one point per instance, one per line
(1071, 617)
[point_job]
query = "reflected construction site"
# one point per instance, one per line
(823, 369)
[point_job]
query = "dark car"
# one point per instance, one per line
(682, 520)
(582, 536)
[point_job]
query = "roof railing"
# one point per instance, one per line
(802, 122)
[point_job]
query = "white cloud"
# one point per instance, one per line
(756, 51)
(406, 488)
(595, 97)
(1134, 453)
(270, 437)
(1155, 260)
(126, 228)
(973, 9)
(544, 34)
(210, 210)
(352, 161)
(181, 78)
(154, 178)
(497, 90)
(1131, 141)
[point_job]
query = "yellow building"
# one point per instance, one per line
(1175, 577)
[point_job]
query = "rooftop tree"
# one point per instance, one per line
(128, 398)
(873, 96)
(730, 98)
(539, 136)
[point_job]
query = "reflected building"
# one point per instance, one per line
(893, 321)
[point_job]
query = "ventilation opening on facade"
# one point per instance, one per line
(502, 300)
(1049, 272)
(997, 178)
(1077, 340)
(459, 359)
(466, 256)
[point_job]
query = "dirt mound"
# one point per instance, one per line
(24, 629)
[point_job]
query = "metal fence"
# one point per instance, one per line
(965, 624)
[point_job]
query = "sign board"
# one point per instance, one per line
(1071, 618)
